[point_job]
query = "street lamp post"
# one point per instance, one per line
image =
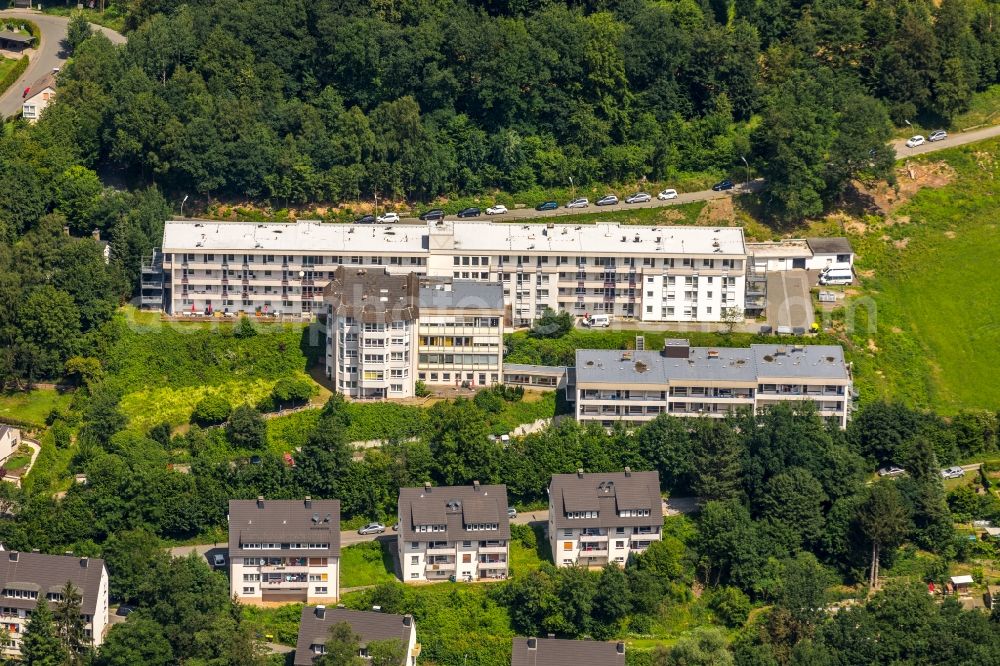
(572, 188)
(182, 204)
(748, 170)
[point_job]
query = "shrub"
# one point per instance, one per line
(246, 429)
(211, 410)
(161, 433)
(62, 434)
(245, 328)
(552, 324)
(420, 389)
(291, 391)
(525, 535)
(731, 606)
(489, 401)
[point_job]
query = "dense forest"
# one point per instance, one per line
(295, 102)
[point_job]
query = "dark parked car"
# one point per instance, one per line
(723, 185)
(469, 212)
(547, 205)
(433, 214)
(365, 219)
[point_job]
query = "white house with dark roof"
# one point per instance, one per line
(284, 550)
(563, 652)
(368, 626)
(40, 95)
(10, 439)
(637, 386)
(601, 518)
(460, 531)
(27, 577)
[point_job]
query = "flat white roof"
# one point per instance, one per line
(780, 249)
(293, 237)
(962, 580)
(605, 237)
(451, 237)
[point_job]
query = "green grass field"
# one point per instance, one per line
(32, 406)
(935, 291)
(366, 564)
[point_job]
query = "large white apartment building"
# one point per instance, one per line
(637, 386)
(596, 519)
(385, 331)
(284, 550)
(27, 577)
(649, 273)
(453, 531)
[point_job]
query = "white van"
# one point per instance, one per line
(597, 321)
(836, 276)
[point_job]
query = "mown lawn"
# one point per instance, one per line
(366, 564)
(936, 325)
(34, 405)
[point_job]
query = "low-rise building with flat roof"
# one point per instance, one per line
(368, 626)
(453, 531)
(284, 550)
(600, 518)
(637, 386)
(563, 652)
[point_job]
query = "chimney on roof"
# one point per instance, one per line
(427, 486)
(13, 556)
(628, 471)
(309, 502)
(407, 620)
(260, 501)
(552, 635)
(96, 234)
(620, 647)
(321, 611)
(84, 562)
(66, 230)
(475, 486)
(579, 472)
(36, 550)
(532, 643)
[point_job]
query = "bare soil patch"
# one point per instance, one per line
(717, 211)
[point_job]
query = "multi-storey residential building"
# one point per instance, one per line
(314, 632)
(636, 386)
(595, 519)
(563, 652)
(453, 531)
(284, 550)
(27, 577)
(646, 273)
(385, 331)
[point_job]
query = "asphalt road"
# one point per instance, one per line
(956, 139)
(49, 54)
(672, 506)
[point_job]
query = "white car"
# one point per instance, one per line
(638, 197)
(498, 209)
(952, 473)
(667, 194)
(915, 141)
(578, 203)
(938, 135)
(388, 218)
(891, 470)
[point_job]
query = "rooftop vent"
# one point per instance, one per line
(453, 505)
(637, 239)
(713, 353)
(532, 643)
(579, 472)
(475, 486)
(427, 486)
(620, 648)
(260, 501)
(315, 518)
(308, 502)
(327, 518)
(628, 471)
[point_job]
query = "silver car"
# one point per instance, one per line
(938, 135)
(372, 528)
(607, 200)
(578, 203)
(638, 197)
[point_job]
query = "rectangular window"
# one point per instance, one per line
(567, 545)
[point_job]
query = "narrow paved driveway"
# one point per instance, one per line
(956, 139)
(49, 54)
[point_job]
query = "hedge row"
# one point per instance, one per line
(14, 74)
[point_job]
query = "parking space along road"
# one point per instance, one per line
(789, 303)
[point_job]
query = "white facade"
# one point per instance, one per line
(371, 360)
(10, 439)
(453, 531)
(31, 109)
(637, 386)
(31, 575)
(596, 268)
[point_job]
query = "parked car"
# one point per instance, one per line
(496, 209)
(372, 528)
(667, 194)
(915, 141)
(723, 185)
(547, 205)
(938, 135)
(578, 203)
(26, 91)
(469, 212)
(388, 218)
(365, 219)
(607, 200)
(511, 512)
(124, 610)
(433, 214)
(952, 473)
(219, 560)
(638, 197)
(891, 470)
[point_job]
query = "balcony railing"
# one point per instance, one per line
(441, 550)
(440, 566)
